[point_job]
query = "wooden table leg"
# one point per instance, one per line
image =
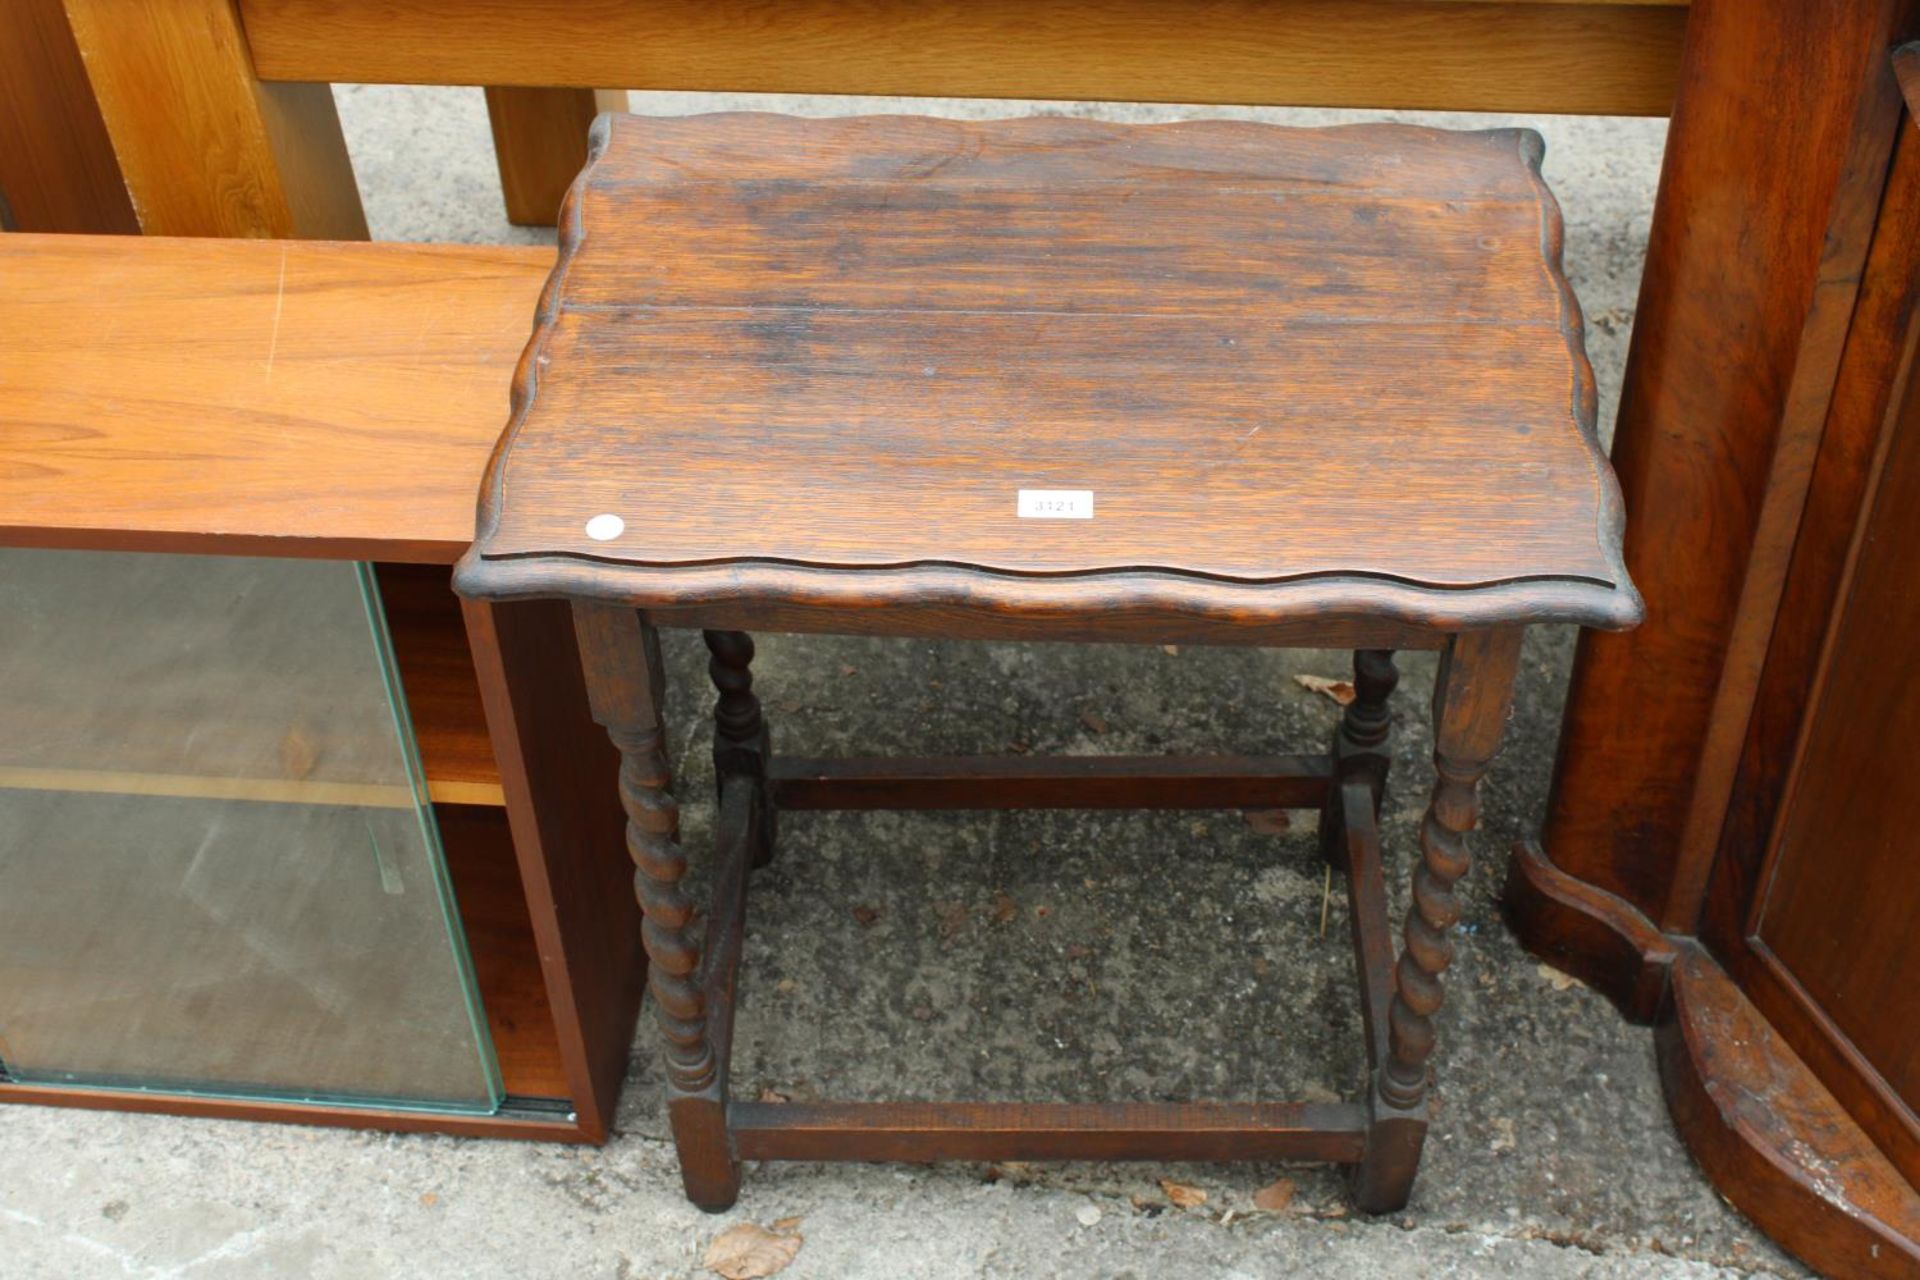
(540, 143)
(741, 745)
(620, 653)
(1471, 697)
(1360, 744)
(57, 169)
(206, 147)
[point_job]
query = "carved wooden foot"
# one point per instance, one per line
(741, 744)
(624, 684)
(1471, 695)
(1360, 743)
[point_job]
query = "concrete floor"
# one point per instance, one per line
(1021, 956)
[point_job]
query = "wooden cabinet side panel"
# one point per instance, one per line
(1747, 286)
(560, 776)
(1814, 879)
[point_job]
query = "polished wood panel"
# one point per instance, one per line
(1772, 365)
(1042, 281)
(1773, 1140)
(57, 168)
(540, 143)
(340, 399)
(1591, 56)
(208, 149)
(1840, 895)
(1874, 389)
(1814, 682)
(558, 773)
(1747, 289)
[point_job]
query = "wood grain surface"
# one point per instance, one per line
(208, 148)
(1748, 289)
(289, 399)
(1600, 56)
(786, 348)
(1812, 883)
(57, 169)
(540, 143)
(1775, 1143)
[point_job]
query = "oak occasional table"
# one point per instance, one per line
(1047, 379)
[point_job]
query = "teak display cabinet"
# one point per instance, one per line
(519, 777)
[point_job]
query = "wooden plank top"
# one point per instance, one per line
(1606, 57)
(1299, 371)
(277, 398)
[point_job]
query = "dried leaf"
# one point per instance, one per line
(774, 1095)
(1182, 1195)
(750, 1252)
(1171, 650)
(1341, 691)
(866, 915)
(1005, 909)
(1268, 822)
(1557, 980)
(787, 1224)
(1095, 722)
(1275, 1196)
(786, 986)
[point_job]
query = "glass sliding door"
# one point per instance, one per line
(219, 872)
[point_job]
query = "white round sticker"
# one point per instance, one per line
(606, 527)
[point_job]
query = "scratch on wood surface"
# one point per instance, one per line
(279, 301)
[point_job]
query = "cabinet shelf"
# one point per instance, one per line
(436, 670)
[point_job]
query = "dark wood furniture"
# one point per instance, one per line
(211, 117)
(119, 349)
(1759, 902)
(1747, 304)
(1047, 379)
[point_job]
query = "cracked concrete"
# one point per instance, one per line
(1082, 956)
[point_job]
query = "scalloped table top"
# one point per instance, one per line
(1252, 369)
